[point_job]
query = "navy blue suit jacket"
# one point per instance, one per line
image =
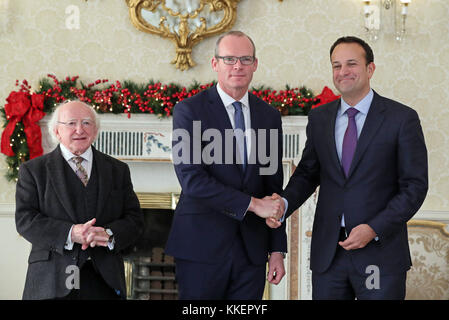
(215, 196)
(387, 184)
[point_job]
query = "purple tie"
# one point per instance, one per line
(349, 141)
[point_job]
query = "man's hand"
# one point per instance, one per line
(81, 231)
(266, 207)
(277, 197)
(271, 222)
(276, 270)
(88, 235)
(97, 236)
(359, 237)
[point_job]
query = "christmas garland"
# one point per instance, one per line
(21, 137)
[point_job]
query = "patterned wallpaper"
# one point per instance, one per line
(292, 39)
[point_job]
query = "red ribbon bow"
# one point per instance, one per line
(27, 108)
(326, 96)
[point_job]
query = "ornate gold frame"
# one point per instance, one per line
(185, 39)
(440, 226)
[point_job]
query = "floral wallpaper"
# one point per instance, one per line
(428, 279)
(292, 39)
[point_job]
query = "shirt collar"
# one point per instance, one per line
(363, 105)
(87, 155)
(228, 100)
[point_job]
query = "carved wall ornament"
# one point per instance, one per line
(185, 22)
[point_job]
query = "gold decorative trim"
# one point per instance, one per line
(429, 224)
(266, 290)
(158, 200)
(181, 35)
(128, 277)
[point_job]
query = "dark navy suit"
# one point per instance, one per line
(211, 218)
(386, 185)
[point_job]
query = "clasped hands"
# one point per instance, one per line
(89, 235)
(271, 208)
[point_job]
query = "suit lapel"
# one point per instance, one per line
(104, 171)
(55, 168)
(329, 126)
(221, 121)
(252, 152)
(372, 124)
(218, 111)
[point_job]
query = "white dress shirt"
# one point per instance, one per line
(87, 159)
(227, 102)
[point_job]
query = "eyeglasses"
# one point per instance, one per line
(231, 60)
(72, 124)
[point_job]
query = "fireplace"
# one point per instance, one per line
(150, 274)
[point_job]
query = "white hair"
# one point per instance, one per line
(55, 118)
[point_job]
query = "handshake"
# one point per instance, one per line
(89, 235)
(271, 208)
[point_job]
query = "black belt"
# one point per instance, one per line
(342, 236)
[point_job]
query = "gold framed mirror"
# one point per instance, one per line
(184, 22)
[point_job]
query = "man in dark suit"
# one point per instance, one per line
(78, 209)
(220, 236)
(367, 153)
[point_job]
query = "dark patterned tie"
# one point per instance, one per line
(80, 171)
(241, 139)
(349, 141)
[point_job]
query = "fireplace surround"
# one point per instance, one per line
(150, 274)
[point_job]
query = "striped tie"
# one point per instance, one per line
(80, 171)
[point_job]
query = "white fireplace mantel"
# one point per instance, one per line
(144, 137)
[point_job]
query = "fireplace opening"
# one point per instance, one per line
(150, 274)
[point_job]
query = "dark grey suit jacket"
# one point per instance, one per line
(44, 216)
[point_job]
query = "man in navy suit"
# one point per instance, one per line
(221, 237)
(367, 153)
